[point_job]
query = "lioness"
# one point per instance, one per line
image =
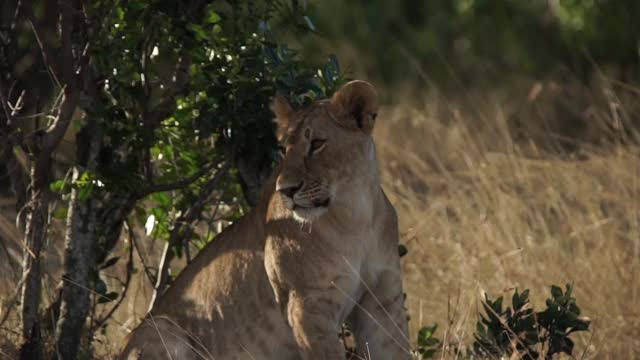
(319, 249)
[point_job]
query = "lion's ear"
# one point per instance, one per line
(355, 105)
(283, 113)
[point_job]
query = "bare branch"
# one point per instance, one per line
(154, 188)
(45, 56)
(16, 15)
(127, 282)
(13, 301)
(66, 33)
(134, 242)
(56, 131)
(5, 107)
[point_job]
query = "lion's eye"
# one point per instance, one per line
(316, 146)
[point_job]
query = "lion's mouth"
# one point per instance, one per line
(310, 213)
(315, 204)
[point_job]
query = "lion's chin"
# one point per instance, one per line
(308, 214)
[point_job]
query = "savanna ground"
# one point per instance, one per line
(490, 197)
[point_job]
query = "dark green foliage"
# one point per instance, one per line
(519, 329)
(161, 129)
(560, 319)
(501, 331)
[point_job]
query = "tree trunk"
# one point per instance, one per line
(44, 144)
(35, 232)
(80, 251)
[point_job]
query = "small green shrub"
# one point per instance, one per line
(427, 344)
(517, 330)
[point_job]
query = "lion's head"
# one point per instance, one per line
(327, 150)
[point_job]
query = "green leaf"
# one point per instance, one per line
(60, 213)
(430, 342)
(402, 250)
(162, 198)
(426, 332)
(108, 297)
(100, 287)
(556, 291)
(57, 185)
(85, 192)
(110, 262)
(213, 17)
(198, 30)
(310, 24)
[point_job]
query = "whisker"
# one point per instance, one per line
(193, 338)
(247, 351)
(160, 335)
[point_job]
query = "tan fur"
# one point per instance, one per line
(279, 283)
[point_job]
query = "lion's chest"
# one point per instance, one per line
(329, 261)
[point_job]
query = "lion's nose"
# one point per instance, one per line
(288, 189)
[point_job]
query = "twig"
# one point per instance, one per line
(163, 273)
(127, 282)
(134, 242)
(16, 14)
(45, 57)
(9, 257)
(5, 107)
(154, 188)
(13, 301)
(56, 131)
(11, 331)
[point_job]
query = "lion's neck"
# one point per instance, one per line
(359, 207)
(364, 199)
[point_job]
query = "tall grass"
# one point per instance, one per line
(485, 207)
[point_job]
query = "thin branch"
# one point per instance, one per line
(154, 188)
(66, 33)
(56, 131)
(134, 242)
(45, 56)
(5, 107)
(13, 301)
(9, 257)
(126, 284)
(16, 15)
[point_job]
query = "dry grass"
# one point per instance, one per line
(482, 213)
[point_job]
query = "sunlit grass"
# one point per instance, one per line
(481, 212)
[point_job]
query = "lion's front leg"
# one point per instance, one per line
(380, 321)
(314, 319)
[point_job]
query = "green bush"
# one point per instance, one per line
(517, 329)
